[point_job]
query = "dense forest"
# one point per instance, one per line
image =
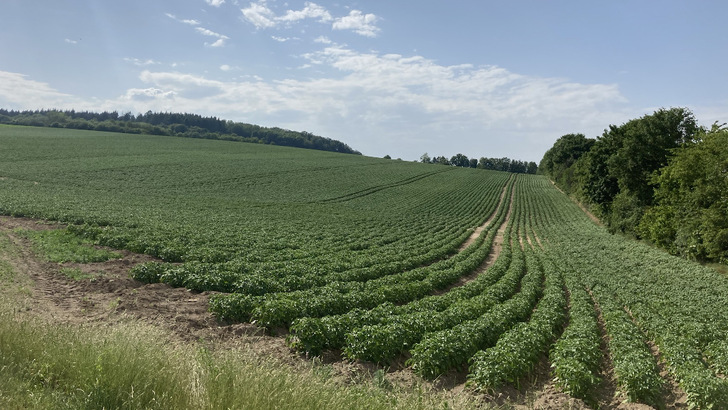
(173, 124)
(660, 177)
(493, 164)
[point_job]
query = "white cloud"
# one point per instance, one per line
(283, 39)
(263, 17)
(178, 81)
(409, 104)
(259, 15)
(215, 3)
(206, 32)
(148, 94)
(221, 38)
(69, 41)
(322, 40)
(405, 105)
(360, 23)
(311, 10)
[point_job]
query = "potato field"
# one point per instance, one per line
(386, 260)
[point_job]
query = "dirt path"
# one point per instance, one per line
(476, 233)
(495, 248)
(580, 205)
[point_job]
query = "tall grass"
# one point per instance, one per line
(133, 366)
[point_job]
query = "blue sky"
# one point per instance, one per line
(482, 78)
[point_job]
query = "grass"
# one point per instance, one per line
(719, 267)
(132, 366)
(76, 274)
(60, 245)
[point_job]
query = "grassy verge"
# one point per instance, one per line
(133, 366)
(60, 245)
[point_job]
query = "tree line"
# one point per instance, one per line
(660, 177)
(173, 124)
(494, 164)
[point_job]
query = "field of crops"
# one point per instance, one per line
(366, 256)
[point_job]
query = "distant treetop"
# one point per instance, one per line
(494, 164)
(173, 124)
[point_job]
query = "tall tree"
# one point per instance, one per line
(558, 162)
(691, 218)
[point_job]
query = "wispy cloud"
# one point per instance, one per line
(147, 94)
(322, 40)
(284, 39)
(404, 102)
(141, 63)
(190, 22)
(221, 38)
(69, 41)
(17, 91)
(215, 3)
(260, 15)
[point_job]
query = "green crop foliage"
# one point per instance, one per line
(361, 254)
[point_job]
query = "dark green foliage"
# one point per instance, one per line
(443, 350)
(558, 162)
(492, 164)
(691, 218)
(623, 159)
(173, 124)
(659, 177)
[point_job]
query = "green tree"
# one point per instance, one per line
(691, 215)
(460, 160)
(615, 175)
(558, 162)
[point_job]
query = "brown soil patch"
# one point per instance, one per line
(112, 295)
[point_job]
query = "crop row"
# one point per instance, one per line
(645, 294)
(313, 334)
(340, 297)
(576, 356)
(441, 351)
(518, 350)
